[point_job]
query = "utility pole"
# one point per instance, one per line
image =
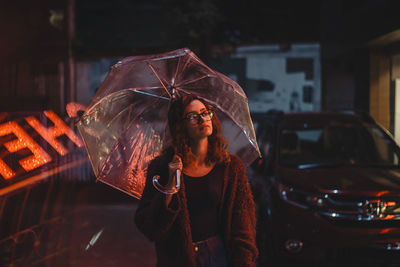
(70, 93)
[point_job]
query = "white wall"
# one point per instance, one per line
(269, 63)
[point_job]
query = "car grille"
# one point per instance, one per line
(383, 210)
(341, 208)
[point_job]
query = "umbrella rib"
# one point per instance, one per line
(204, 77)
(151, 67)
(146, 93)
(116, 116)
(118, 92)
(195, 80)
(187, 61)
(176, 71)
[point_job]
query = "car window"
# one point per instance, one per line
(338, 143)
(385, 146)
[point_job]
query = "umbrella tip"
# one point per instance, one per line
(173, 93)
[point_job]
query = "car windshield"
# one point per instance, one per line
(337, 144)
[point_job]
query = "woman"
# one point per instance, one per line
(210, 221)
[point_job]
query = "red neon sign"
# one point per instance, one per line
(50, 134)
(23, 140)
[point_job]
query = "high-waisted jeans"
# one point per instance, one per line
(211, 252)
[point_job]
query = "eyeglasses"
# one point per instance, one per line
(195, 118)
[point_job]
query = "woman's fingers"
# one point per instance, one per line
(176, 163)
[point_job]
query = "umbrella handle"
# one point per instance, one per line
(167, 190)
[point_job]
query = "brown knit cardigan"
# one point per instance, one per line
(169, 227)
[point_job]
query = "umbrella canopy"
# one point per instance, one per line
(125, 125)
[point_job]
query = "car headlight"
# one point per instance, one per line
(300, 198)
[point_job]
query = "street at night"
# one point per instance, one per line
(245, 133)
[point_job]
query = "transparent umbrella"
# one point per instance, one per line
(125, 125)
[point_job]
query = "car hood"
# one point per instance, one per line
(346, 180)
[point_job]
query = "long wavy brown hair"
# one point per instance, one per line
(217, 145)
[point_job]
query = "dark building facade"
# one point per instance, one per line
(359, 54)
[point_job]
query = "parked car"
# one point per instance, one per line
(326, 189)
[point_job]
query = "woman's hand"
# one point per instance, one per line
(175, 164)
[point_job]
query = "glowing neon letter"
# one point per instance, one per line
(5, 171)
(50, 134)
(23, 140)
